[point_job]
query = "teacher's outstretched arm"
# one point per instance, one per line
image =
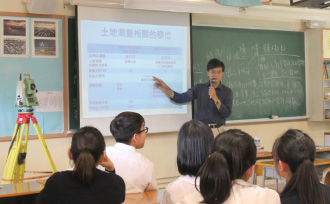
(162, 86)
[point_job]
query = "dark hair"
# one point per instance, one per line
(233, 153)
(87, 146)
(194, 146)
(297, 149)
(215, 63)
(125, 125)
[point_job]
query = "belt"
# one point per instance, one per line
(215, 125)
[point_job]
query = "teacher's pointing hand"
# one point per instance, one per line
(163, 87)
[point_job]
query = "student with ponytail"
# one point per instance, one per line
(85, 184)
(294, 154)
(225, 173)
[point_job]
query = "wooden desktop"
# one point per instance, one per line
(21, 192)
(320, 153)
(28, 191)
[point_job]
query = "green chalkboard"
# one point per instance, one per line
(264, 68)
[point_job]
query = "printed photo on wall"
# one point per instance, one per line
(44, 29)
(43, 47)
(14, 46)
(14, 27)
(44, 38)
(14, 37)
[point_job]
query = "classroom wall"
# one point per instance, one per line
(20, 6)
(160, 148)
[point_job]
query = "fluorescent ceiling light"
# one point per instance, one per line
(289, 13)
(189, 6)
(239, 3)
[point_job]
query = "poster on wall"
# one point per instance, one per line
(14, 37)
(326, 43)
(44, 38)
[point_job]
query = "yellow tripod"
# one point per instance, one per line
(15, 165)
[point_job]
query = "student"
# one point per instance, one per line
(294, 154)
(224, 175)
(193, 147)
(137, 171)
(85, 184)
(214, 100)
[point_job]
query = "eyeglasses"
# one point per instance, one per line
(146, 129)
(215, 72)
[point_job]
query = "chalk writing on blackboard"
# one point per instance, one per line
(265, 70)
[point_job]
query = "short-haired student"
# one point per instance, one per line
(224, 175)
(129, 131)
(85, 184)
(193, 147)
(294, 154)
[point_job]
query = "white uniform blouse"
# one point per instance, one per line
(136, 170)
(243, 192)
(176, 190)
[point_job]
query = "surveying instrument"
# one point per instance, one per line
(25, 99)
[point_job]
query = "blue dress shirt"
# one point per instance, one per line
(206, 109)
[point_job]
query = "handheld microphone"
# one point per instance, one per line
(212, 81)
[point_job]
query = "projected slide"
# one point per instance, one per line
(119, 61)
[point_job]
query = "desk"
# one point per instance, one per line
(264, 155)
(320, 164)
(262, 170)
(21, 192)
(320, 153)
(27, 192)
(149, 197)
(323, 153)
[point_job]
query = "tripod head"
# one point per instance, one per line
(26, 93)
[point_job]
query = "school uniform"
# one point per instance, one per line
(242, 192)
(136, 170)
(293, 199)
(178, 189)
(63, 187)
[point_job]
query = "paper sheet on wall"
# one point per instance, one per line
(328, 44)
(50, 101)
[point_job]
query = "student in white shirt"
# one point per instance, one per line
(193, 147)
(137, 171)
(224, 175)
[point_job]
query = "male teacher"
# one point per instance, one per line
(214, 100)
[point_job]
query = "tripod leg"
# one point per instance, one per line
(9, 166)
(43, 143)
(20, 165)
(13, 170)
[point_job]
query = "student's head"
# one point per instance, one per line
(294, 154)
(194, 146)
(87, 147)
(215, 69)
(128, 128)
(233, 157)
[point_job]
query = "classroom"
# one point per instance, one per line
(160, 148)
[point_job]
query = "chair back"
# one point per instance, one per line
(326, 176)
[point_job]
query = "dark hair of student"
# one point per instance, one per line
(125, 125)
(233, 153)
(297, 149)
(87, 146)
(215, 63)
(193, 146)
